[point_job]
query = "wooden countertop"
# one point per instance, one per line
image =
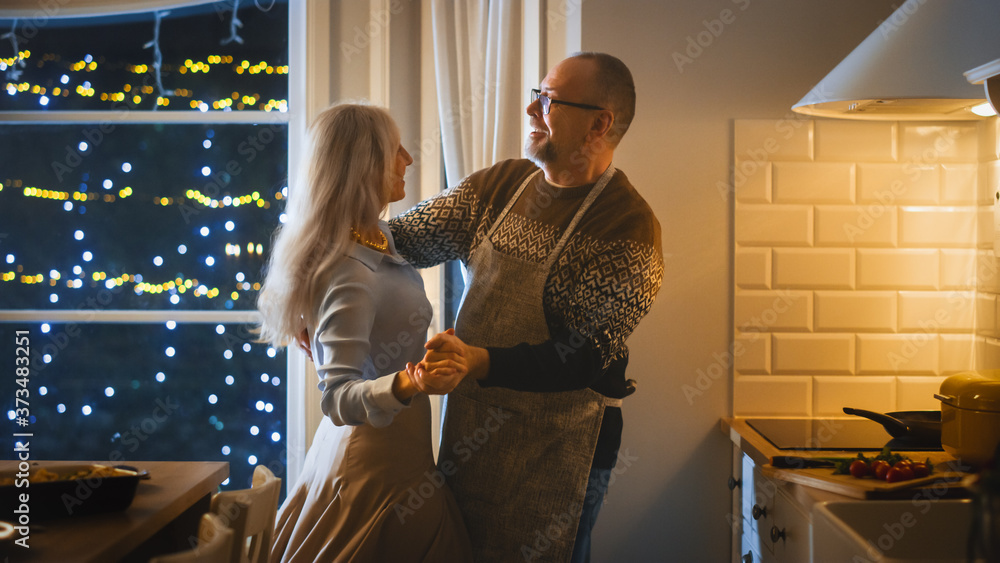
(173, 488)
(943, 481)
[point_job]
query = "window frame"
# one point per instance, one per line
(293, 119)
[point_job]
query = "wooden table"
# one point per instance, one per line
(162, 518)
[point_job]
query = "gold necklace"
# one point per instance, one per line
(381, 247)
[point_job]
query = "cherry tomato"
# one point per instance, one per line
(894, 475)
(880, 468)
(921, 469)
(859, 468)
(903, 463)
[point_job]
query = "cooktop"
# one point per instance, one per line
(829, 434)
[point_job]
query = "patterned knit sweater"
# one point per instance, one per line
(601, 285)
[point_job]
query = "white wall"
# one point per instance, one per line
(670, 501)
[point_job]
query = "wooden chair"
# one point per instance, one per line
(215, 544)
(250, 514)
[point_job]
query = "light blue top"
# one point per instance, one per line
(373, 319)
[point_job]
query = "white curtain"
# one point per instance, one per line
(477, 59)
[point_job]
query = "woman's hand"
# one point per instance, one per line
(477, 359)
(447, 362)
(402, 386)
(436, 381)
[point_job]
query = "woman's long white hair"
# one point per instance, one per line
(349, 180)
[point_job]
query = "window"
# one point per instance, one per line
(145, 166)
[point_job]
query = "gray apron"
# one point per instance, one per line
(518, 462)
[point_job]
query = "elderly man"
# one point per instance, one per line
(564, 259)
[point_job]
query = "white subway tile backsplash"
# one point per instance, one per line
(752, 181)
(855, 311)
(898, 184)
(812, 353)
(766, 140)
(769, 311)
(928, 143)
(752, 353)
(987, 272)
(832, 393)
(854, 141)
(815, 268)
(986, 314)
(911, 268)
(936, 311)
(864, 269)
(856, 226)
(989, 184)
(987, 353)
(769, 395)
(915, 353)
(984, 227)
(917, 393)
(958, 269)
(959, 184)
(958, 352)
(937, 227)
(774, 225)
(989, 134)
(813, 182)
(753, 268)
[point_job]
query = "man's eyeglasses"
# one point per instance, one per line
(547, 102)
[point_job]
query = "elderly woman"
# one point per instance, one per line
(369, 490)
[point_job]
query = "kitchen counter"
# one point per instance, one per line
(772, 508)
(943, 481)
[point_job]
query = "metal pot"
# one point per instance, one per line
(921, 428)
(970, 416)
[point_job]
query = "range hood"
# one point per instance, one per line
(910, 67)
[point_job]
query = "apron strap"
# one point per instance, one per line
(510, 204)
(594, 192)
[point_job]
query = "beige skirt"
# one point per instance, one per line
(371, 494)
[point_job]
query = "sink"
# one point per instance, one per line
(890, 531)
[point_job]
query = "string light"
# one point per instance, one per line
(237, 100)
(194, 195)
(177, 285)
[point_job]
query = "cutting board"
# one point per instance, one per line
(865, 488)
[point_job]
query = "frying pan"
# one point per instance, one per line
(919, 427)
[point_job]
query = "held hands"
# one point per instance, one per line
(442, 368)
(447, 362)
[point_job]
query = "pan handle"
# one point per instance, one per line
(894, 426)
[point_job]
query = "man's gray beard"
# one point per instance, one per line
(542, 154)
